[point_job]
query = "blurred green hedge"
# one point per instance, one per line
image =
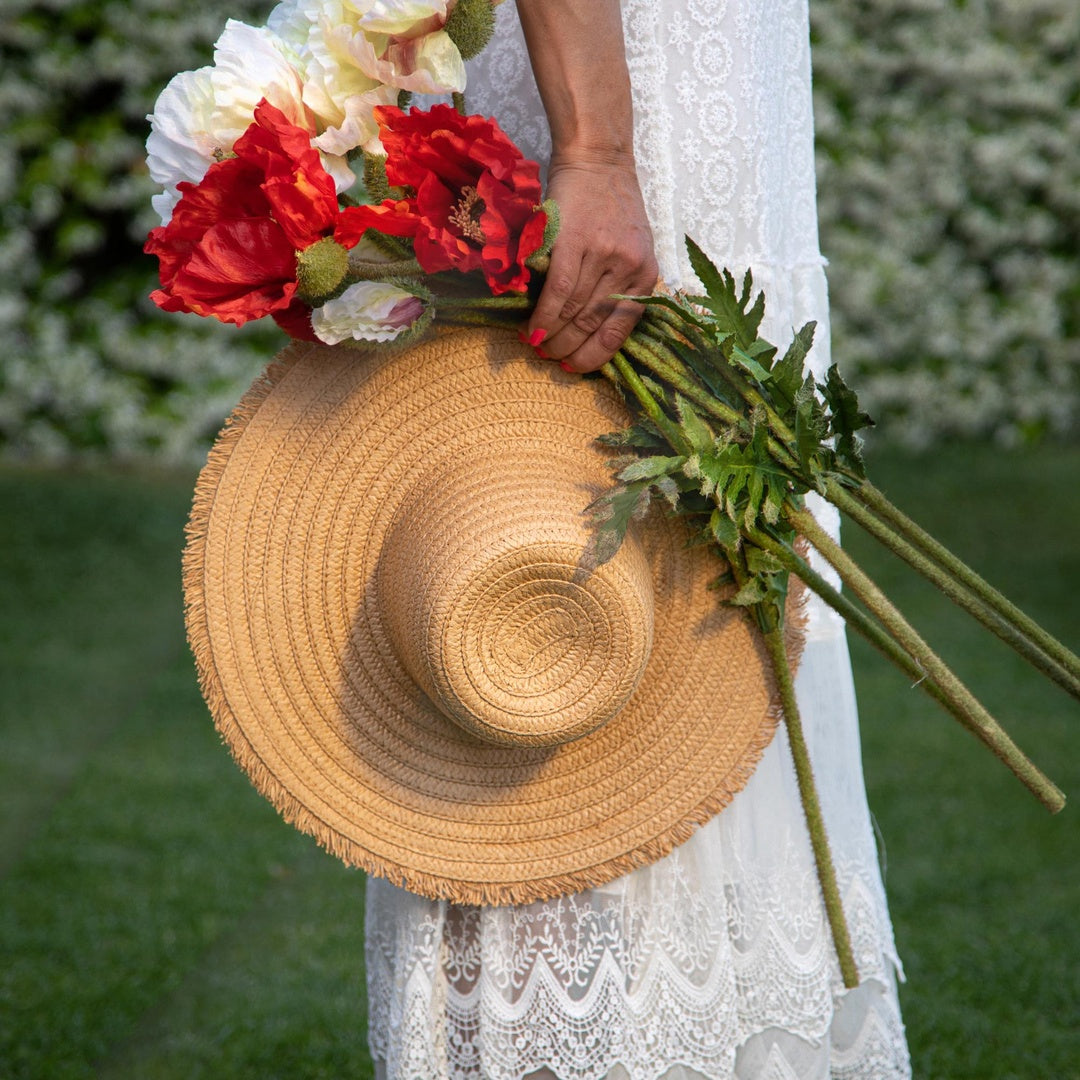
(949, 181)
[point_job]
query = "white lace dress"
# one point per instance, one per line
(716, 961)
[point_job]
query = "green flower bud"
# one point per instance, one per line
(321, 270)
(470, 26)
(375, 182)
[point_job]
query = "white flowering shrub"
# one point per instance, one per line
(949, 180)
(949, 186)
(89, 365)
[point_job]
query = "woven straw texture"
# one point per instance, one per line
(400, 646)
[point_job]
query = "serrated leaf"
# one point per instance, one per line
(753, 317)
(809, 429)
(724, 530)
(681, 308)
(846, 419)
(750, 364)
(755, 493)
(752, 592)
(761, 562)
(773, 506)
(641, 435)
(669, 490)
(720, 292)
(764, 352)
(693, 426)
(648, 468)
(788, 373)
(612, 513)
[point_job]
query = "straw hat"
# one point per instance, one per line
(401, 647)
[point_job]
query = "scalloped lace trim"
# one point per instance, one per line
(610, 986)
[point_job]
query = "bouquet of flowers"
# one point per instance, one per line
(264, 215)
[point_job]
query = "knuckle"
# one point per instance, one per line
(561, 285)
(589, 321)
(611, 336)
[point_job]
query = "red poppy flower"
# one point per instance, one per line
(476, 199)
(230, 249)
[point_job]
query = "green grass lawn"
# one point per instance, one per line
(158, 921)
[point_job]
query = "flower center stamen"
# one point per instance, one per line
(466, 214)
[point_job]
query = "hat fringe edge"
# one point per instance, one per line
(347, 850)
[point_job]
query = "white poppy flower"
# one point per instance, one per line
(200, 114)
(366, 311)
(356, 54)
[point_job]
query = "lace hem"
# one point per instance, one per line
(611, 986)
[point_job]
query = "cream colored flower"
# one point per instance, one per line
(366, 311)
(200, 114)
(356, 54)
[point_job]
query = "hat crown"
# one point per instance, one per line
(490, 610)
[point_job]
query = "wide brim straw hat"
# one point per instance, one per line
(400, 638)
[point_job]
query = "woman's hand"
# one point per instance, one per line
(604, 244)
(604, 247)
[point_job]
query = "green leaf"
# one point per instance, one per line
(720, 289)
(612, 513)
(724, 530)
(641, 435)
(681, 307)
(669, 490)
(752, 592)
(649, 468)
(693, 425)
(764, 352)
(810, 427)
(788, 373)
(751, 365)
(761, 562)
(846, 419)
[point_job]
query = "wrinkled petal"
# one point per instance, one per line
(200, 114)
(426, 65)
(302, 195)
(476, 198)
(295, 320)
(399, 18)
(395, 218)
(239, 270)
(181, 143)
(249, 65)
(229, 250)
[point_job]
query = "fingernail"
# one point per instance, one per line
(566, 367)
(536, 337)
(540, 352)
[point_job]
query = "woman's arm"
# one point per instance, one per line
(605, 244)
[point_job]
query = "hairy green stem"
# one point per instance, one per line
(465, 316)
(372, 270)
(815, 821)
(721, 411)
(857, 619)
(983, 724)
(663, 363)
(1053, 648)
(506, 302)
(952, 587)
(632, 381)
(735, 378)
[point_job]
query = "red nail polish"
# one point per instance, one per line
(566, 367)
(543, 355)
(536, 337)
(523, 337)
